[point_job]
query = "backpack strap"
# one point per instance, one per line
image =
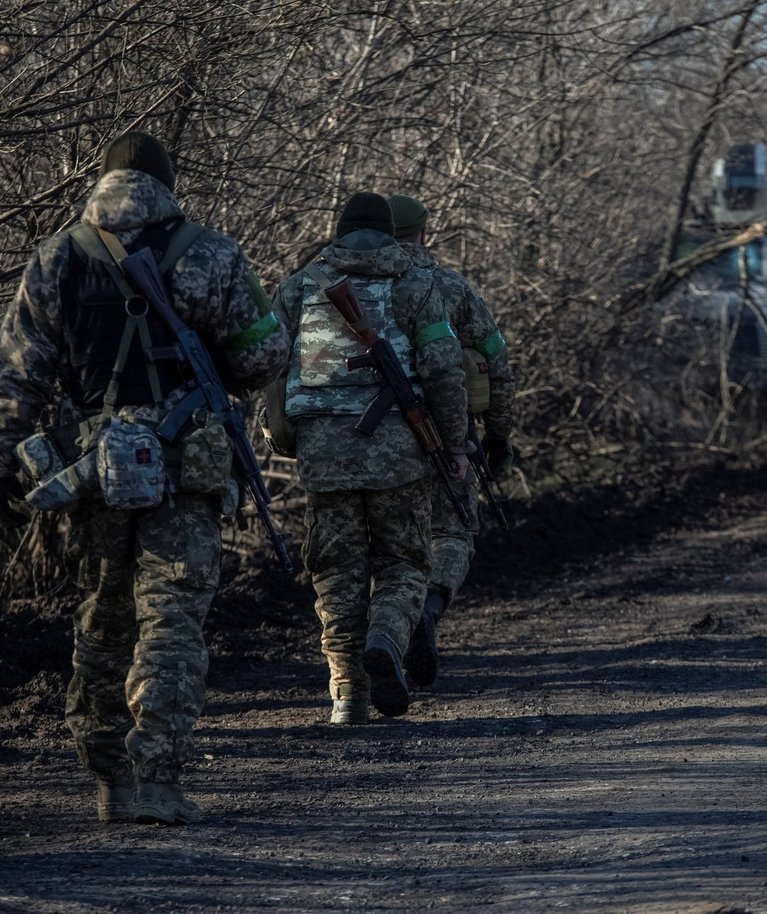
(180, 241)
(106, 247)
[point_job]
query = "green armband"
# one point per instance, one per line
(257, 331)
(491, 345)
(433, 332)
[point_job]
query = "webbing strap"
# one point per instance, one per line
(181, 239)
(119, 253)
(106, 247)
(318, 276)
(110, 397)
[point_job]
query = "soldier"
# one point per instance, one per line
(452, 543)
(368, 499)
(148, 575)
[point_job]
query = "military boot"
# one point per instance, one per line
(388, 689)
(114, 799)
(422, 658)
(163, 804)
(349, 711)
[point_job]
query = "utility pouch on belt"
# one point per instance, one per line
(206, 460)
(131, 465)
(39, 457)
(68, 486)
(477, 381)
(279, 431)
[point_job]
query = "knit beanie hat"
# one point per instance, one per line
(409, 214)
(143, 153)
(365, 210)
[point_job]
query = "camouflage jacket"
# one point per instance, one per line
(331, 454)
(476, 329)
(212, 289)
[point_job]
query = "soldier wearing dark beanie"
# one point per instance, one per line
(365, 210)
(141, 152)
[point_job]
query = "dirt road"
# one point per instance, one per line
(595, 743)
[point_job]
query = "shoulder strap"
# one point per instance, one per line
(106, 247)
(180, 241)
(182, 238)
(321, 278)
(92, 242)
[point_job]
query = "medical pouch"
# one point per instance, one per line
(206, 460)
(131, 466)
(476, 381)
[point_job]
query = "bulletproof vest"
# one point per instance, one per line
(94, 317)
(318, 381)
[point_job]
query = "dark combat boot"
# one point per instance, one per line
(388, 689)
(163, 804)
(422, 658)
(114, 799)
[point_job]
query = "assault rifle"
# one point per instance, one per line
(208, 392)
(485, 476)
(381, 358)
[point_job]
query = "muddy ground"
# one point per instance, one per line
(594, 743)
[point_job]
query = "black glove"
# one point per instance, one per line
(499, 455)
(10, 518)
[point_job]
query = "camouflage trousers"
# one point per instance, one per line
(139, 656)
(368, 555)
(452, 544)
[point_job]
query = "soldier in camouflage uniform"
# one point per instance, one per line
(452, 544)
(367, 517)
(148, 575)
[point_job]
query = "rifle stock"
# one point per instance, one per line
(144, 276)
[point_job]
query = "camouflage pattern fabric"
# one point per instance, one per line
(331, 455)
(211, 293)
(452, 543)
(319, 382)
(139, 658)
(149, 576)
(368, 555)
(369, 498)
(475, 326)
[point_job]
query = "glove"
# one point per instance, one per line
(499, 455)
(10, 518)
(459, 466)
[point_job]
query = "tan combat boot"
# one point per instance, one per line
(349, 711)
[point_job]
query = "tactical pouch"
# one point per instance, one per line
(279, 431)
(39, 457)
(65, 488)
(206, 461)
(131, 466)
